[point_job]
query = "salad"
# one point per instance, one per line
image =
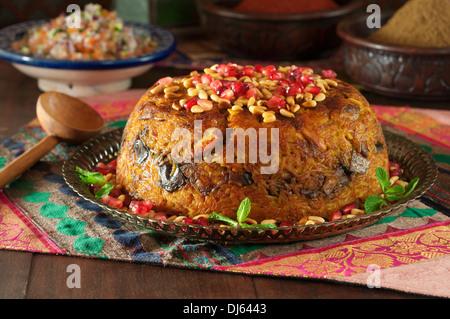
(101, 36)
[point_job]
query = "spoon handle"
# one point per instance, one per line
(27, 160)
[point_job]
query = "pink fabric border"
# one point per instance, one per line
(53, 248)
(324, 248)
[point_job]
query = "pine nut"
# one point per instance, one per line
(308, 96)
(320, 97)
(215, 97)
(254, 109)
(196, 109)
(290, 100)
(224, 103)
(251, 221)
(393, 179)
(268, 221)
(295, 108)
(357, 212)
(267, 94)
(192, 92)
(202, 94)
(251, 101)
(171, 89)
(331, 82)
(310, 103)
(270, 117)
(157, 89)
(236, 108)
(286, 113)
(170, 96)
(317, 219)
(206, 105)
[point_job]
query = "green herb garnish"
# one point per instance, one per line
(95, 178)
(390, 194)
(242, 214)
(104, 190)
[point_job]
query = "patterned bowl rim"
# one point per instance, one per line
(165, 39)
(105, 147)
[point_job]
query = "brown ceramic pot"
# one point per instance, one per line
(275, 36)
(397, 71)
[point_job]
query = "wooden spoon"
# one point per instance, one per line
(63, 118)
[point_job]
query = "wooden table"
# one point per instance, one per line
(31, 275)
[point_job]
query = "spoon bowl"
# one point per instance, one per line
(68, 118)
(63, 118)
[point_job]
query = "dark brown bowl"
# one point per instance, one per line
(397, 71)
(275, 36)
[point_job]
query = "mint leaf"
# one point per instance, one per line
(87, 177)
(374, 203)
(383, 179)
(226, 220)
(243, 210)
(395, 190)
(409, 188)
(104, 190)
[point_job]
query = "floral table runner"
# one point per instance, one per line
(408, 251)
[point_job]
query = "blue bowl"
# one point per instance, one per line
(165, 40)
(85, 77)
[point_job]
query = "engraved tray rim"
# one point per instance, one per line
(415, 161)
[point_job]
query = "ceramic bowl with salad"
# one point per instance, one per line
(84, 53)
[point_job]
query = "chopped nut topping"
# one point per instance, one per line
(284, 90)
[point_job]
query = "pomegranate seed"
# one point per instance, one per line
(188, 220)
(101, 166)
(138, 207)
(335, 216)
(202, 221)
(221, 69)
(280, 91)
(394, 164)
(294, 89)
(227, 94)
(276, 76)
(239, 88)
(112, 201)
(161, 216)
(283, 83)
(269, 69)
(287, 223)
(259, 68)
(275, 102)
(106, 198)
(115, 192)
(115, 202)
(313, 89)
(196, 80)
(165, 81)
(148, 203)
(306, 79)
(251, 93)
(206, 79)
(329, 74)
(305, 70)
(216, 85)
(190, 103)
(348, 208)
(396, 172)
(249, 71)
(113, 163)
(127, 200)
